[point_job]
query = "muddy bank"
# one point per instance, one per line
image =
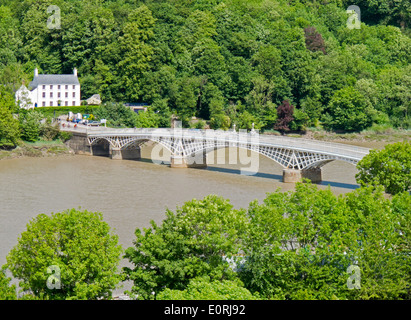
(36, 150)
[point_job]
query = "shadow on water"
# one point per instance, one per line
(280, 177)
(264, 175)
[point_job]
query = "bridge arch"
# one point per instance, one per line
(287, 158)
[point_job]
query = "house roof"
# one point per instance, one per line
(53, 79)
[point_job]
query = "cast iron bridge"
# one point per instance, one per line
(188, 148)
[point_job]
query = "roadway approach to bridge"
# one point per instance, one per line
(300, 158)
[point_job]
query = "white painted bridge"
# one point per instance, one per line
(300, 158)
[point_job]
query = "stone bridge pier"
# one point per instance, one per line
(198, 161)
(125, 154)
(295, 175)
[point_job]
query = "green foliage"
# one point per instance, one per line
(390, 167)
(80, 244)
(220, 121)
(204, 57)
(64, 135)
(190, 243)
(203, 289)
(348, 111)
(117, 115)
(49, 131)
(161, 108)
(30, 124)
(7, 292)
(9, 126)
(301, 244)
(147, 119)
(50, 112)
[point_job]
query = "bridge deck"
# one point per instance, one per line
(300, 144)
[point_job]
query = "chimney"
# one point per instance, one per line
(75, 71)
(36, 72)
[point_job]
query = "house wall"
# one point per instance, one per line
(48, 95)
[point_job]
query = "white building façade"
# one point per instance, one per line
(50, 90)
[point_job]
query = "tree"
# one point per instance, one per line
(30, 124)
(117, 114)
(67, 255)
(313, 40)
(301, 243)
(136, 50)
(9, 126)
(161, 108)
(190, 243)
(7, 292)
(348, 111)
(390, 167)
(204, 289)
(147, 119)
(285, 116)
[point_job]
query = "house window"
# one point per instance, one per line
(66, 103)
(58, 94)
(58, 87)
(74, 87)
(74, 94)
(66, 94)
(44, 103)
(66, 87)
(44, 94)
(44, 87)
(51, 94)
(51, 103)
(51, 87)
(74, 103)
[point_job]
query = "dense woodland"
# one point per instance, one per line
(231, 61)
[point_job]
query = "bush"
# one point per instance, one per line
(64, 135)
(78, 246)
(30, 125)
(49, 131)
(7, 292)
(204, 289)
(390, 167)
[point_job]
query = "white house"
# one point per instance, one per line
(50, 90)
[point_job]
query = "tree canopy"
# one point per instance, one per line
(390, 167)
(218, 59)
(67, 255)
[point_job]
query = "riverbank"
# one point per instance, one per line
(37, 149)
(373, 138)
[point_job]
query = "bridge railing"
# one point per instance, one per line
(239, 137)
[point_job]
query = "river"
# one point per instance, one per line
(131, 193)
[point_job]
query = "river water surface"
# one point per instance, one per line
(131, 193)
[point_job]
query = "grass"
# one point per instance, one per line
(40, 148)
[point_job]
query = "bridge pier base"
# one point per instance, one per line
(125, 154)
(116, 154)
(199, 162)
(293, 175)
